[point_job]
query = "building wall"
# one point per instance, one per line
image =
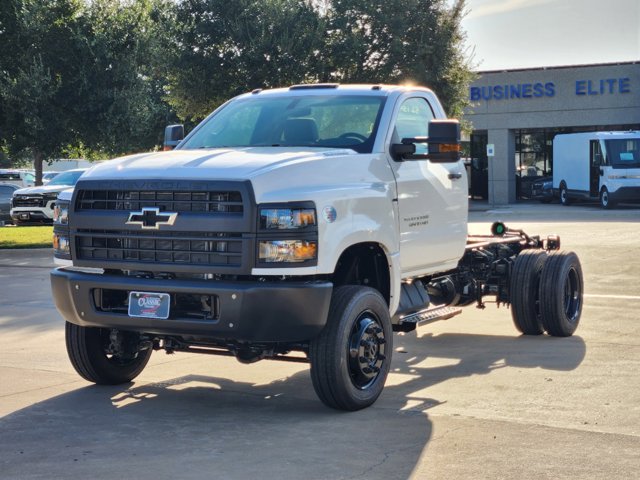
(581, 96)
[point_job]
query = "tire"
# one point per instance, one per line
(86, 348)
(561, 288)
(350, 359)
(524, 291)
(605, 199)
(564, 195)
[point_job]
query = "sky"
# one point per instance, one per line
(509, 34)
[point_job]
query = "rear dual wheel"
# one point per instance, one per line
(524, 289)
(561, 288)
(546, 293)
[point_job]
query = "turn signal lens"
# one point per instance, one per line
(60, 244)
(449, 147)
(287, 251)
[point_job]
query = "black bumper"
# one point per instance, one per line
(626, 194)
(248, 311)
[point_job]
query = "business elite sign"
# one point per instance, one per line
(604, 86)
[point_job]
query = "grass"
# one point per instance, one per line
(26, 237)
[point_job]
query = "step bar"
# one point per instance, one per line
(430, 315)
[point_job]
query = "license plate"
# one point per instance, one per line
(24, 216)
(149, 305)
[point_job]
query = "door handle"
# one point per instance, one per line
(455, 176)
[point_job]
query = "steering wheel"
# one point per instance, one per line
(353, 135)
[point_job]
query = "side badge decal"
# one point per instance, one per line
(329, 214)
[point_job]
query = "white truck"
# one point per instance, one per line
(303, 224)
(602, 166)
(35, 204)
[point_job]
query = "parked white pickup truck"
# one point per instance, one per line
(303, 224)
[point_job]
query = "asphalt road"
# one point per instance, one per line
(467, 398)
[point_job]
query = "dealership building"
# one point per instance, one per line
(515, 115)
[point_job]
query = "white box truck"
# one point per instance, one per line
(597, 165)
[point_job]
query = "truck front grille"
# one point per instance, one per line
(184, 248)
(27, 201)
(173, 201)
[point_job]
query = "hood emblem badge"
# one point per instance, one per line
(151, 218)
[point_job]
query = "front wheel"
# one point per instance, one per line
(105, 356)
(605, 199)
(350, 359)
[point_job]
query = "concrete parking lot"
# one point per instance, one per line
(467, 398)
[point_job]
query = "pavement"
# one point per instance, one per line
(467, 398)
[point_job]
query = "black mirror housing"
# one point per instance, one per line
(399, 151)
(173, 135)
(443, 142)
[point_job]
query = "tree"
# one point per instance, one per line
(123, 108)
(226, 48)
(398, 41)
(82, 76)
(39, 77)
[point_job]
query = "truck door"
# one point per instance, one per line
(595, 167)
(432, 197)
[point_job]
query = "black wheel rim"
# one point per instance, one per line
(111, 352)
(366, 350)
(572, 295)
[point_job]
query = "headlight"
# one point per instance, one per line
(50, 196)
(287, 251)
(287, 234)
(287, 218)
(61, 213)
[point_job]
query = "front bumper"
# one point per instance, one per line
(248, 311)
(626, 194)
(26, 214)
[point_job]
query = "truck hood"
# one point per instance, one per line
(42, 189)
(212, 164)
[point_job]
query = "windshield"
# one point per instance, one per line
(66, 178)
(623, 153)
(334, 121)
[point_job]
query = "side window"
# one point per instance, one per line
(413, 121)
(596, 153)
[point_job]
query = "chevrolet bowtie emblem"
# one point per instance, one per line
(151, 218)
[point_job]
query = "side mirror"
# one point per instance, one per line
(443, 143)
(173, 135)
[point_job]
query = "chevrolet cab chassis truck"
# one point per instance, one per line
(302, 224)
